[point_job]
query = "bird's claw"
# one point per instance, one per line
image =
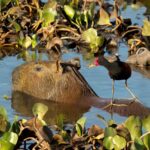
(112, 104)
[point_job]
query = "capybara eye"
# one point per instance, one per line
(38, 68)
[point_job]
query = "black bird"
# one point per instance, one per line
(118, 70)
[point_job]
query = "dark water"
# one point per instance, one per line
(97, 77)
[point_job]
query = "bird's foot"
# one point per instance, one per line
(135, 99)
(113, 104)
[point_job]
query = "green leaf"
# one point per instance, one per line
(49, 15)
(134, 125)
(70, 12)
(80, 125)
(139, 145)
(108, 142)
(91, 10)
(4, 3)
(102, 119)
(109, 131)
(60, 120)
(26, 42)
(16, 26)
(79, 129)
(3, 112)
(146, 27)
(119, 142)
(34, 40)
(146, 123)
(39, 110)
(6, 97)
(11, 137)
(111, 122)
(146, 141)
(74, 3)
(94, 40)
(5, 145)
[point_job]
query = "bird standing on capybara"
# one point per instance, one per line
(43, 80)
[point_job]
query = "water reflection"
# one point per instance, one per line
(23, 104)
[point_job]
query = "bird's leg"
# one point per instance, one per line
(135, 98)
(112, 100)
(113, 91)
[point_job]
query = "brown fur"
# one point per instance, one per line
(44, 81)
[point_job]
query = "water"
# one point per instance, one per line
(97, 77)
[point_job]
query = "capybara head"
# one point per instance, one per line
(44, 80)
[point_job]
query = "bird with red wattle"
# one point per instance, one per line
(118, 70)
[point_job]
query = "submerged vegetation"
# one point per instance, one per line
(30, 27)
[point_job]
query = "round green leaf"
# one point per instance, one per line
(119, 142)
(90, 36)
(39, 110)
(5, 145)
(134, 125)
(11, 137)
(109, 131)
(48, 15)
(26, 42)
(70, 12)
(108, 143)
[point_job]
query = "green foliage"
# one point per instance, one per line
(146, 123)
(9, 138)
(119, 142)
(4, 3)
(80, 126)
(3, 119)
(146, 141)
(146, 27)
(49, 13)
(134, 125)
(90, 36)
(60, 121)
(70, 12)
(39, 110)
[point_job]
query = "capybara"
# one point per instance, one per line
(46, 80)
